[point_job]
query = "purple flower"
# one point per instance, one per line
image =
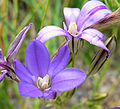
(5, 63)
(44, 77)
(77, 24)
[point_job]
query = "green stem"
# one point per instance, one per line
(44, 15)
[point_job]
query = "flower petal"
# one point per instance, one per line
(92, 12)
(71, 14)
(95, 37)
(68, 79)
(60, 61)
(29, 90)
(37, 58)
(22, 72)
(1, 55)
(2, 75)
(15, 45)
(49, 32)
(51, 94)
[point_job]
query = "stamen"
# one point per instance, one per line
(43, 83)
(72, 28)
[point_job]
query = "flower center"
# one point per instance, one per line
(72, 28)
(43, 83)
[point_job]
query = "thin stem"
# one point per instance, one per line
(72, 51)
(44, 15)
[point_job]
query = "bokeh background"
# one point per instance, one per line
(15, 14)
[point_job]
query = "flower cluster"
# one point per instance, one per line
(42, 77)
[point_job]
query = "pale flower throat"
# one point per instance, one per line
(72, 28)
(43, 83)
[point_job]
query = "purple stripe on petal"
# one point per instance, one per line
(1, 55)
(95, 37)
(60, 61)
(37, 58)
(2, 75)
(15, 45)
(90, 5)
(95, 18)
(49, 32)
(88, 11)
(29, 90)
(22, 72)
(71, 14)
(68, 79)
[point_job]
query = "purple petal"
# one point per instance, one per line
(22, 72)
(71, 14)
(51, 94)
(68, 79)
(29, 90)
(2, 75)
(37, 58)
(15, 45)
(92, 12)
(49, 32)
(59, 62)
(1, 55)
(95, 37)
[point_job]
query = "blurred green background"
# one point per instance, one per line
(15, 14)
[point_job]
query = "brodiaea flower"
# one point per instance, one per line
(5, 63)
(77, 22)
(45, 78)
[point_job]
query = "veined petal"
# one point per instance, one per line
(92, 12)
(22, 72)
(59, 62)
(37, 58)
(71, 14)
(49, 32)
(2, 75)
(1, 55)
(68, 79)
(95, 37)
(15, 45)
(29, 90)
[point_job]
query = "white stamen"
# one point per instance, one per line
(43, 83)
(72, 28)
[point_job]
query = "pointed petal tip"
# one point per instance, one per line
(2, 75)
(16, 43)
